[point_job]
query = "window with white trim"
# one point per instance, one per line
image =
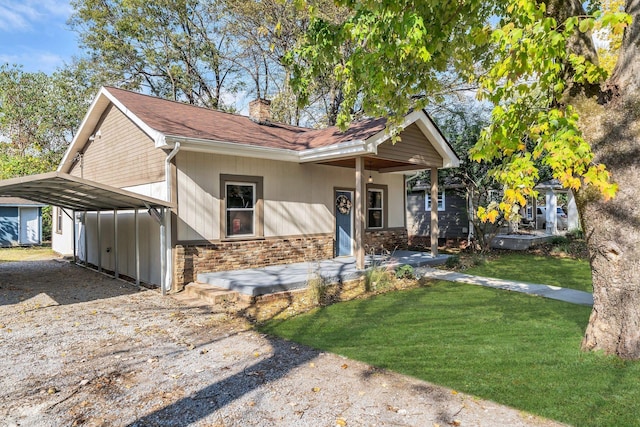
(427, 201)
(58, 220)
(375, 208)
(241, 208)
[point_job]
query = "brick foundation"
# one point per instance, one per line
(390, 240)
(191, 260)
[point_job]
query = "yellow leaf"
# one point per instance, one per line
(341, 422)
(315, 389)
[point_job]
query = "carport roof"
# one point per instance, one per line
(71, 192)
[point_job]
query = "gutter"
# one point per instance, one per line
(168, 280)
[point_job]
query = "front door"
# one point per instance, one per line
(344, 223)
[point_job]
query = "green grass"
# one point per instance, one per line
(34, 253)
(545, 270)
(512, 348)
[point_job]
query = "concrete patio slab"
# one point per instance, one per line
(280, 278)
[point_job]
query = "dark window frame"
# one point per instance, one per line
(384, 189)
(258, 207)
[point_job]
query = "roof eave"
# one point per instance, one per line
(336, 151)
(231, 148)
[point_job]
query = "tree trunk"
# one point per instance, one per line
(612, 228)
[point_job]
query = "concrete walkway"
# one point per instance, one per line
(546, 291)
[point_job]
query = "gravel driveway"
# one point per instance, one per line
(79, 348)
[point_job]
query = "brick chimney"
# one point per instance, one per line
(260, 110)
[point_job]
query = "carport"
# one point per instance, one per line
(81, 195)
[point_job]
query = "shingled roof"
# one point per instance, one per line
(177, 119)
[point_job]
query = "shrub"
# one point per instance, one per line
(377, 278)
(478, 260)
(405, 272)
(317, 287)
(575, 234)
(452, 262)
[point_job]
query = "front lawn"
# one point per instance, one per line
(542, 269)
(33, 253)
(512, 348)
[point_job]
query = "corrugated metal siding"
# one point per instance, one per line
(453, 221)
(298, 198)
(413, 148)
(123, 155)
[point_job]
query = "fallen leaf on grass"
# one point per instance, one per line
(341, 422)
(315, 389)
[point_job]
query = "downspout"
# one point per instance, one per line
(168, 282)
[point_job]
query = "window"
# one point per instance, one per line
(241, 206)
(241, 203)
(427, 200)
(375, 208)
(59, 220)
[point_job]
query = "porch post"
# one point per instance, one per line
(573, 220)
(359, 213)
(551, 214)
(435, 231)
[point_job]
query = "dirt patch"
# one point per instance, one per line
(82, 349)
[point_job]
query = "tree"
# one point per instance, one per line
(175, 49)
(553, 104)
(264, 31)
(462, 120)
(38, 117)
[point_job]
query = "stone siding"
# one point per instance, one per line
(390, 240)
(191, 260)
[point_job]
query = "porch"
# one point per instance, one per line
(288, 277)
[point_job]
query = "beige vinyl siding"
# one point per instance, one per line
(298, 198)
(123, 155)
(413, 148)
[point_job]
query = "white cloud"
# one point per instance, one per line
(24, 15)
(31, 61)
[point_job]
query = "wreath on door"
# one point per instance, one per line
(343, 204)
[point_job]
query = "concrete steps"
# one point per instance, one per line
(209, 294)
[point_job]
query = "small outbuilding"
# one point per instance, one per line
(20, 222)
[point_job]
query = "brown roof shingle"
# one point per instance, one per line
(178, 119)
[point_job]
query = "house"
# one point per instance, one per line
(161, 191)
(20, 222)
(453, 220)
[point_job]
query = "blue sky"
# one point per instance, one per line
(34, 34)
